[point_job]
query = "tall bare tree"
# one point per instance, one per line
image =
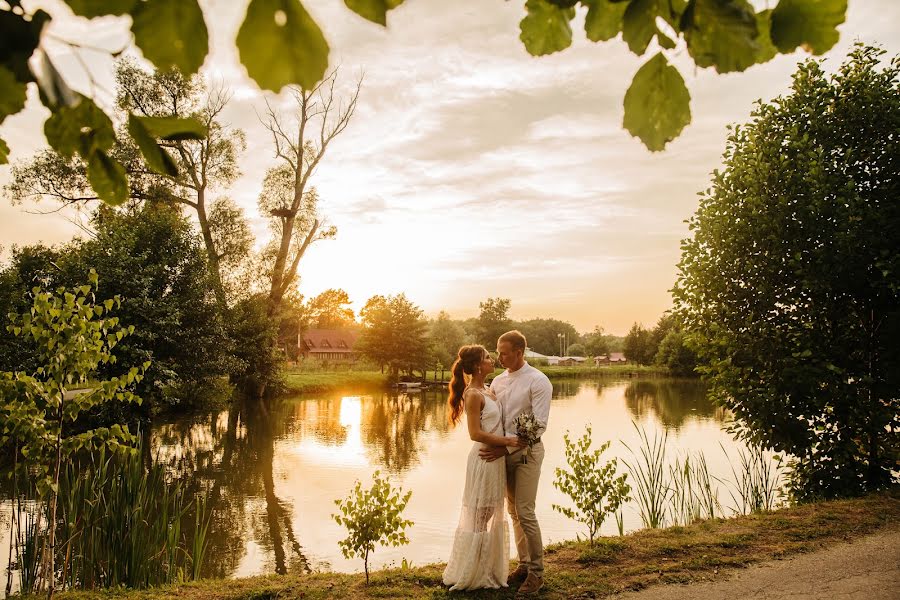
(300, 143)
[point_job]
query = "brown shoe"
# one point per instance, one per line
(517, 576)
(532, 584)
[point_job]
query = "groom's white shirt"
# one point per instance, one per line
(525, 390)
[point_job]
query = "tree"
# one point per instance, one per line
(372, 517)
(394, 334)
(183, 171)
(639, 345)
(280, 44)
(596, 342)
(676, 354)
(575, 350)
(72, 335)
(493, 320)
(791, 282)
(330, 310)
(446, 336)
(287, 196)
(543, 335)
(593, 487)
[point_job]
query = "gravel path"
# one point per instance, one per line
(867, 568)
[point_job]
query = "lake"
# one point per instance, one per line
(273, 473)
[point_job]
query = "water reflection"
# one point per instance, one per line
(672, 402)
(272, 471)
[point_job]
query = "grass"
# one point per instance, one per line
(306, 381)
(576, 570)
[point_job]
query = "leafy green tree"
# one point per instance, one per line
(446, 337)
(543, 334)
(73, 335)
(791, 281)
(493, 321)
(395, 335)
(280, 44)
(638, 346)
(675, 353)
(596, 343)
(330, 310)
(372, 517)
(592, 486)
(575, 350)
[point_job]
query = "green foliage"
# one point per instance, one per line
(395, 334)
(372, 517)
(446, 337)
(280, 44)
(593, 487)
(676, 354)
(542, 334)
(648, 471)
(639, 346)
(257, 366)
(596, 343)
(329, 310)
(790, 285)
(657, 105)
(493, 321)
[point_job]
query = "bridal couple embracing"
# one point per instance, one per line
(501, 467)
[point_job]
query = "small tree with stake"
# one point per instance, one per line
(372, 517)
(593, 487)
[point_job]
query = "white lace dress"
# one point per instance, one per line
(480, 555)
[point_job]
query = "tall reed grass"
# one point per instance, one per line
(757, 484)
(119, 524)
(648, 471)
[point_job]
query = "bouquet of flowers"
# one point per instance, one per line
(527, 427)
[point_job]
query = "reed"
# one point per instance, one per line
(648, 471)
(757, 480)
(121, 524)
(693, 496)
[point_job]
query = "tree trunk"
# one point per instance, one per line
(211, 253)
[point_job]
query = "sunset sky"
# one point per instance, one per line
(472, 169)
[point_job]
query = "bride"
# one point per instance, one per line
(480, 555)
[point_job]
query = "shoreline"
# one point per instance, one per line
(703, 551)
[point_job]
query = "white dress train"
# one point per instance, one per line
(480, 554)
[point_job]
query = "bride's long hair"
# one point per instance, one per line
(467, 360)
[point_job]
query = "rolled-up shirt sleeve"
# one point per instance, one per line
(541, 394)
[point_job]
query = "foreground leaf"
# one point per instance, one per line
(373, 10)
(604, 19)
(171, 33)
(18, 40)
(82, 128)
(99, 8)
(657, 105)
(4, 152)
(811, 24)
(767, 50)
(722, 34)
(545, 29)
(174, 128)
(12, 94)
(639, 24)
(157, 158)
(108, 178)
(280, 44)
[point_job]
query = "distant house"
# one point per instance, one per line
(327, 344)
(613, 358)
(570, 361)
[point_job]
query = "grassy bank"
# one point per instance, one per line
(576, 570)
(305, 382)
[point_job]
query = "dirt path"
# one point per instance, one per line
(867, 568)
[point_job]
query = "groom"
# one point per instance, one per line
(522, 389)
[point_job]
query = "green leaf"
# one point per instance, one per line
(373, 10)
(4, 152)
(18, 40)
(280, 45)
(82, 128)
(604, 19)
(171, 33)
(721, 34)
(108, 178)
(12, 94)
(157, 158)
(811, 24)
(99, 8)
(639, 24)
(767, 50)
(657, 104)
(172, 128)
(545, 29)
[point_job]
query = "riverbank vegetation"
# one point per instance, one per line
(682, 554)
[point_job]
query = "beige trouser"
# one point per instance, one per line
(521, 491)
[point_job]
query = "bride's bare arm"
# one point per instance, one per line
(473, 403)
